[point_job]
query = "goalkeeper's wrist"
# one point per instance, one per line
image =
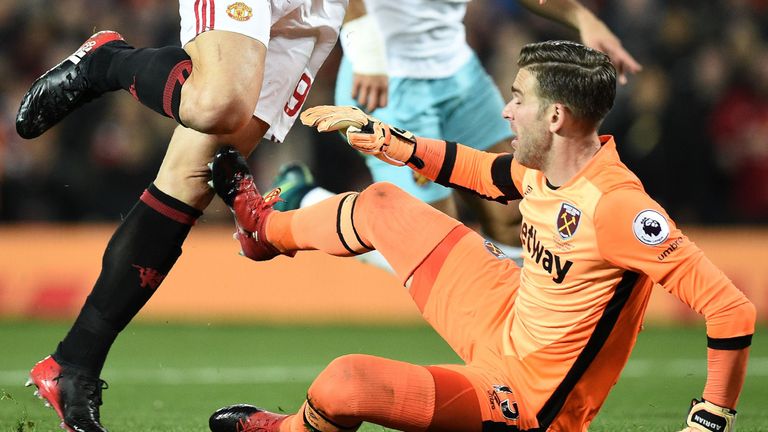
(430, 153)
(363, 45)
(400, 147)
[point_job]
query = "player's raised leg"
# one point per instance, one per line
(219, 95)
(211, 85)
(139, 256)
(65, 87)
(380, 217)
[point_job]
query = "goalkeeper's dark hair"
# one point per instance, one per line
(582, 79)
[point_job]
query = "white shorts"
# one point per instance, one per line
(298, 34)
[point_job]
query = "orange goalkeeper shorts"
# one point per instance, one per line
(466, 289)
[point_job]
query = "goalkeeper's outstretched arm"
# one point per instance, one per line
(451, 164)
(730, 318)
(489, 175)
(680, 267)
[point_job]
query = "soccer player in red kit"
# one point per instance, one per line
(542, 345)
(242, 73)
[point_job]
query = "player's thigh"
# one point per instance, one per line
(402, 228)
(465, 288)
(474, 118)
(184, 172)
(497, 402)
(227, 73)
(227, 44)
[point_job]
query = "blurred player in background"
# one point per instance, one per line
(543, 345)
(210, 86)
(408, 62)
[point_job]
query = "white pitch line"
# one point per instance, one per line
(180, 376)
(637, 368)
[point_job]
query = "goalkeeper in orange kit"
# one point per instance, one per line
(541, 345)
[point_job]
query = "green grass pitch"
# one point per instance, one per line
(167, 377)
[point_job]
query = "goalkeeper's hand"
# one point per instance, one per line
(707, 417)
(365, 133)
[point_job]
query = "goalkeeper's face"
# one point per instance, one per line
(526, 114)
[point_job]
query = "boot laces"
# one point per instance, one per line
(93, 388)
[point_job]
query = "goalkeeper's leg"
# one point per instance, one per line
(381, 217)
(298, 190)
(360, 388)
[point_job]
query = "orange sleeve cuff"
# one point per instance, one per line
(451, 164)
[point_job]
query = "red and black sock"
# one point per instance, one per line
(154, 76)
(140, 254)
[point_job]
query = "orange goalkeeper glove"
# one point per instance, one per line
(365, 133)
(707, 417)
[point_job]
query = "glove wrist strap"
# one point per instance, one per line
(410, 140)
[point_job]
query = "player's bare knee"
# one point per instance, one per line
(213, 113)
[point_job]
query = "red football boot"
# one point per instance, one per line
(62, 89)
(233, 182)
(76, 397)
(245, 418)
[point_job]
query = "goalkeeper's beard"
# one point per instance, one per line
(532, 150)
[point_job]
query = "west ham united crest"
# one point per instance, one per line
(567, 220)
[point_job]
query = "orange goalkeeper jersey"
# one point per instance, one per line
(593, 249)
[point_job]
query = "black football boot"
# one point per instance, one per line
(76, 397)
(62, 89)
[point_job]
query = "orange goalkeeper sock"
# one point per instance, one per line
(357, 388)
(328, 226)
(382, 217)
(308, 419)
